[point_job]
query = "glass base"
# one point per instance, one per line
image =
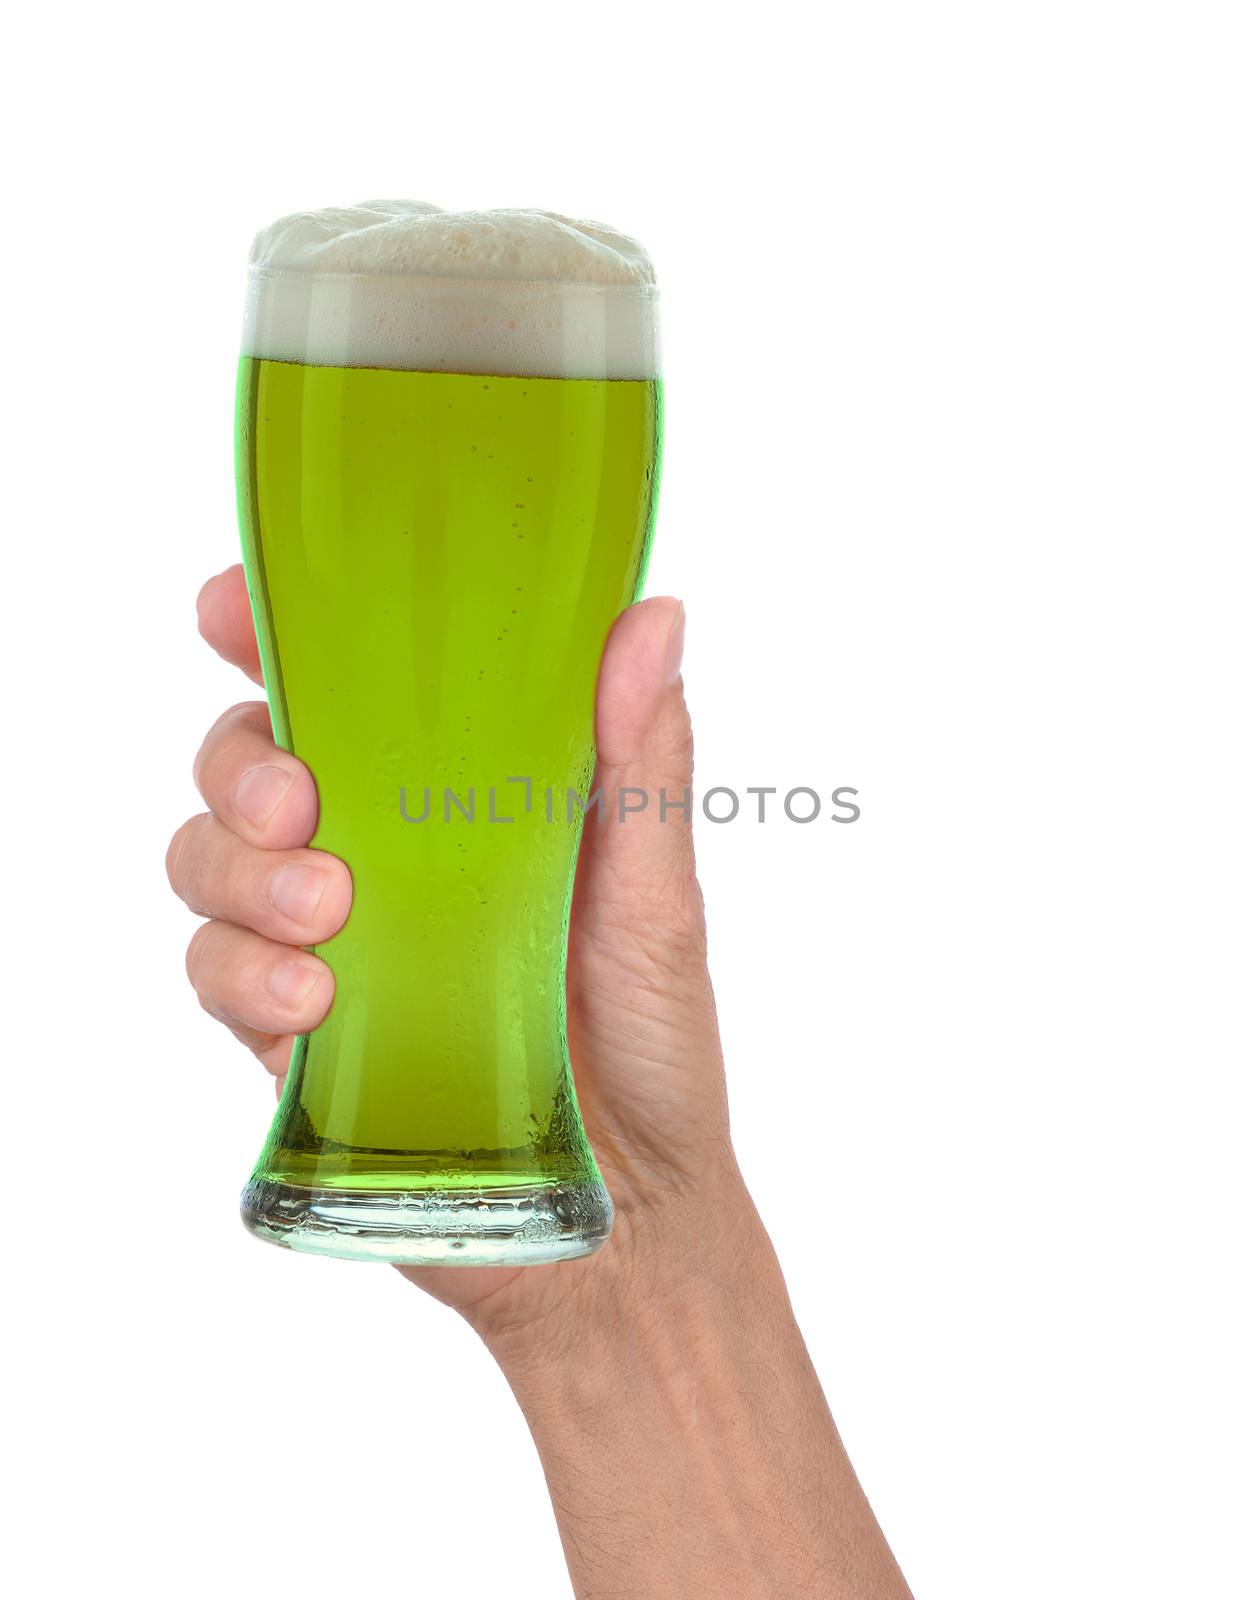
(516, 1227)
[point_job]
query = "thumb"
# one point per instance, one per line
(642, 1020)
(637, 892)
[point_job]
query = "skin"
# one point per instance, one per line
(686, 1442)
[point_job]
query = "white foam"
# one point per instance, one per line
(401, 284)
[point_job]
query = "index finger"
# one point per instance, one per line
(226, 620)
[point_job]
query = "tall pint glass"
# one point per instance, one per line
(448, 441)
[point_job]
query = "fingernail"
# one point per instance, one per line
(260, 792)
(674, 648)
(297, 891)
(292, 982)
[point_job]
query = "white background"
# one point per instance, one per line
(959, 360)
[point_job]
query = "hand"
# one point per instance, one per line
(643, 1031)
(685, 1438)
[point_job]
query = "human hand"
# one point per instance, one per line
(642, 1026)
(684, 1435)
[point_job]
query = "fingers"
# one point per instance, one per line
(262, 990)
(294, 896)
(226, 620)
(245, 865)
(258, 791)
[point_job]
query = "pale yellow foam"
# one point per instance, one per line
(401, 284)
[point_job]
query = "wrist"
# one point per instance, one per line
(684, 1435)
(683, 1255)
(685, 1438)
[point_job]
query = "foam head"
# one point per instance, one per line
(397, 283)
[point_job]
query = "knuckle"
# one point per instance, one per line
(227, 970)
(236, 883)
(250, 713)
(673, 740)
(200, 949)
(218, 753)
(247, 983)
(199, 762)
(176, 864)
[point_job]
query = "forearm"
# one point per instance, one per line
(686, 1441)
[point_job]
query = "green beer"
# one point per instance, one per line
(434, 559)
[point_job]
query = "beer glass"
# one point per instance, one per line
(448, 441)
